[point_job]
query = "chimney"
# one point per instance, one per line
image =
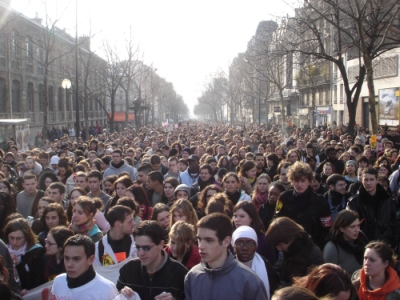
(37, 20)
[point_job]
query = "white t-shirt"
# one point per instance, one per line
(97, 289)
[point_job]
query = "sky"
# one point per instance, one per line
(185, 40)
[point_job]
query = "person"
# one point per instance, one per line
(154, 183)
(161, 214)
(80, 277)
(118, 244)
(260, 193)
(153, 275)
(337, 197)
(283, 169)
(26, 253)
(304, 206)
(121, 185)
(294, 293)
(218, 267)
(169, 186)
(377, 279)
(328, 280)
(82, 222)
(267, 210)
(182, 245)
(376, 208)
(183, 210)
(94, 182)
(53, 261)
(10, 269)
(350, 172)
(248, 175)
(137, 193)
(28, 199)
(231, 183)
(245, 214)
(205, 179)
(331, 158)
(173, 169)
(298, 248)
(244, 242)
(53, 215)
(46, 179)
(206, 195)
(191, 174)
(346, 242)
(118, 165)
(56, 191)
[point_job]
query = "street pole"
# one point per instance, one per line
(77, 125)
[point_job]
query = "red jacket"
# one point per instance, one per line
(191, 258)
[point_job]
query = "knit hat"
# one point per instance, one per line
(351, 162)
(186, 150)
(182, 187)
(54, 160)
(244, 232)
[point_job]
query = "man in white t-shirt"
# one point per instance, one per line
(80, 280)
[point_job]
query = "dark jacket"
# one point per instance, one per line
(32, 259)
(302, 254)
(168, 279)
(337, 202)
(378, 215)
(310, 210)
(338, 164)
(8, 263)
(164, 169)
(266, 213)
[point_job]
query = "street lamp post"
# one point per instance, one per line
(66, 85)
(77, 126)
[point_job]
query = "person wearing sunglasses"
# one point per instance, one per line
(154, 275)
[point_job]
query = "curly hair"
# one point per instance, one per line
(300, 170)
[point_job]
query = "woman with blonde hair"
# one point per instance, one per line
(181, 245)
(183, 210)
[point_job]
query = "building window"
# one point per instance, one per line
(3, 95)
(30, 96)
(29, 49)
(68, 106)
(41, 97)
(60, 98)
(50, 97)
(14, 45)
(16, 93)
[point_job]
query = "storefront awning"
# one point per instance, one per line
(120, 117)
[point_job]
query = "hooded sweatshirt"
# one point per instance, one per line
(116, 170)
(392, 285)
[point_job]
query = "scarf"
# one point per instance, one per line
(82, 279)
(84, 228)
(258, 266)
(234, 197)
(204, 184)
(260, 199)
(356, 248)
(19, 252)
(117, 166)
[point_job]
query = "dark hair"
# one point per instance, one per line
(151, 229)
(251, 210)
(128, 202)
(283, 230)
(156, 176)
(202, 199)
(60, 234)
(384, 251)
(88, 205)
(207, 167)
(141, 198)
(117, 213)
(370, 171)
(333, 179)
(62, 217)
(59, 186)
(294, 293)
(22, 225)
(117, 151)
(9, 204)
(274, 158)
(214, 206)
(343, 219)
(220, 223)
(329, 149)
(81, 240)
(145, 168)
(43, 178)
(159, 208)
(155, 159)
(69, 207)
(96, 174)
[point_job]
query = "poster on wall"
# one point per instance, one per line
(389, 106)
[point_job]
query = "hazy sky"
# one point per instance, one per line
(185, 40)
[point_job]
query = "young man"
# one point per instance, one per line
(303, 205)
(154, 275)
(28, 198)
(94, 182)
(154, 183)
(218, 268)
(376, 208)
(156, 164)
(142, 172)
(118, 244)
(118, 165)
(337, 196)
(260, 164)
(173, 169)
(56, 191)
(331, 157)
(283, 169)
(80, 280)
(81, 180)
(191, 175)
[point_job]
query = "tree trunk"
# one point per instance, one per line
(283, 112)
(45, 104)
(371, 90)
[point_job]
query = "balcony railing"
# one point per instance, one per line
(60, 116)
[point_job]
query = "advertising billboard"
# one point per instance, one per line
(389, 106)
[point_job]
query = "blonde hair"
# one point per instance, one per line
(183, 233)
(185, 207)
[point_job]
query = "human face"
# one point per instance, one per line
(174, 246)
(51, 245)
(211, 250)
(116, 158)
(141, 177)
(94, 184)
(283, 175)
(92, 157)
(81, 181)
(332, 155)
(182, 167)
(108, 186)
(339, 187)
(173, 166)
(164, 162)
(328, 170)
(74, 195)
(241, 218)
(193, 165)
(260, 162)
(29, 164)
(242, 153)
(262, 185)
(16, 239)
(30, 185)
(169, 190)
(231, 184)
(44, 161)
(369, 182)
(301, 185)
(75, 261)
(293, 157)
(182, 195)
(383, 171)
(155, 166)
(52, 219)
(163, 219)
(5, 171)
(185, 154)
(179, 216)
(213, 165)
(55, 194)
(47, 182)
(273, 194)
(209, 194)
(343, 295)
(235, 161)
(62, 171)
(41, 206)
(151, 257)
(245, 249)
(373, 264)
(351, 232)
(205, 174)
(127, 225)
(4, 188)
(120, 189)
(261, 150)
(252, 173)
(351, 168)
(79, 217)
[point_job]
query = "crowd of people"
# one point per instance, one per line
(208, 211)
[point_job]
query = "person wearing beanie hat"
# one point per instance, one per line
(182, 191)
(245, 241)
(185, 153)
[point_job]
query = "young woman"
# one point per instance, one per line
(280, 153)
(168, 196)
(75, 194)
(234, 163)
(46, 179)
(242, 153)
(245, 213)
(181, 245)
(53, 260)
(267, 210)
(248, 176)
(26, 253)
(95, 165)
(184, 211)
(384, 170)
(206, 195)
(64, 170)
(231, 184)
(108, 184)
(83, 212)
(53, 216)
(346, 242)
(120, 186)
(272, 164)
(223, 162)
(137, 193)
(350, 172)
(161, 214)
(378, 279)
(260, 193)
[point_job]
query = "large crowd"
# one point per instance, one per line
(207, 211)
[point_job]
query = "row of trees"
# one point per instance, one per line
(301, 52)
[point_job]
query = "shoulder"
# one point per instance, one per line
(60, 279)
(133, 264)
